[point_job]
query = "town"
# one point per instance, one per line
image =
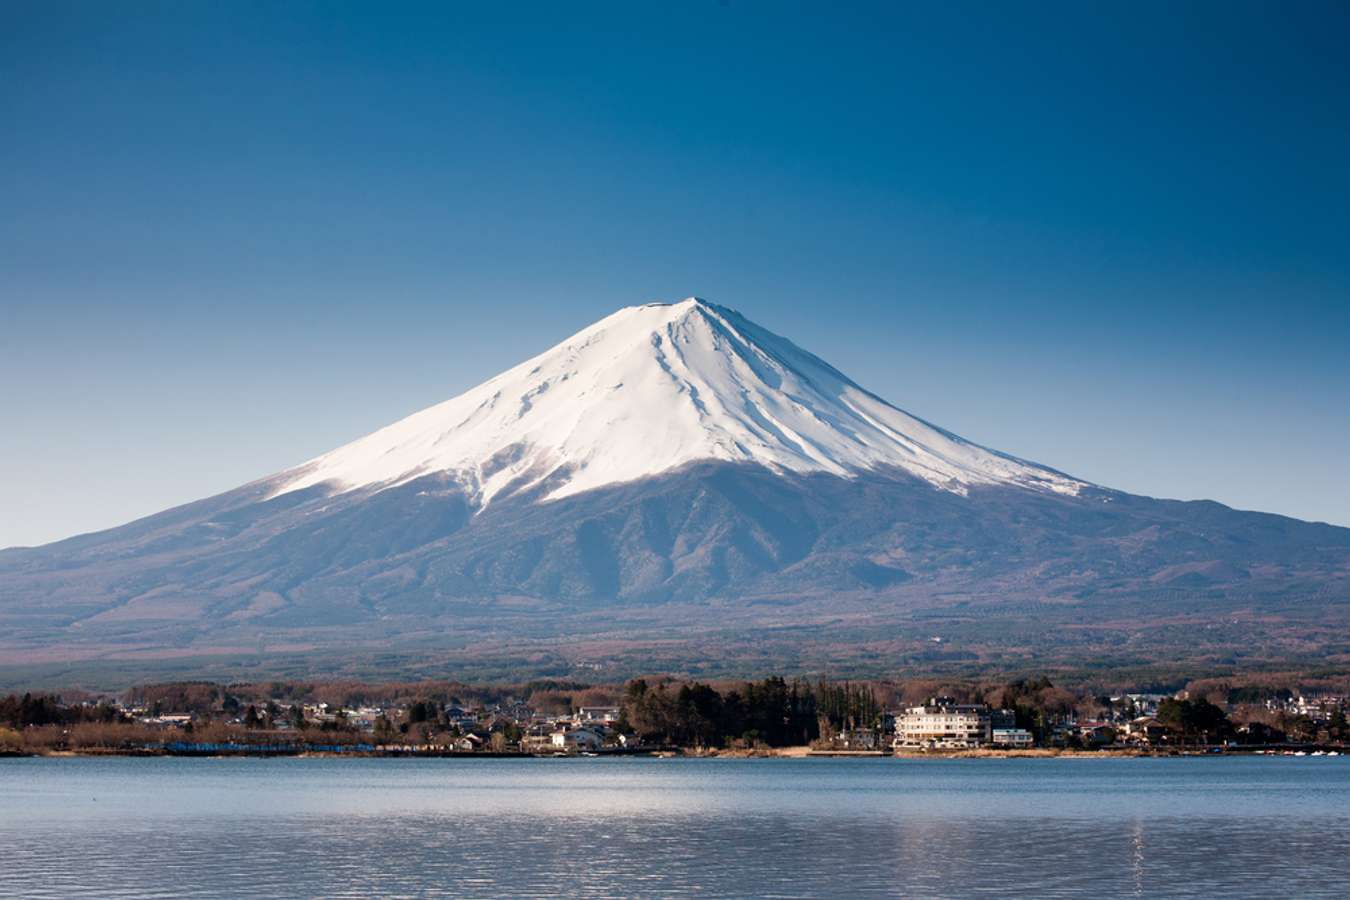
(670, 716)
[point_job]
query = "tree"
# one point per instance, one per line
(1336, 726)
(698, 716)
(298, 720)
(649, 712)
(1194, 719)
(384, 729)
(844, 707)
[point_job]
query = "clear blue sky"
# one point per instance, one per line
(235, 235)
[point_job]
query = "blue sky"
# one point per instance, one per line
(233, 236)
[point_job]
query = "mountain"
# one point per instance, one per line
(648, 390)
(674, 488)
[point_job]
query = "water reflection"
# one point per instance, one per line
(343, 828)
(1137, 857)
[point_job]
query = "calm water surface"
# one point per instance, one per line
(674, 828)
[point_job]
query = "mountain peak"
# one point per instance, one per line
(687, 302)
(651, 388)
(659, 313)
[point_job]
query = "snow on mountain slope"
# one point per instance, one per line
(651, 388)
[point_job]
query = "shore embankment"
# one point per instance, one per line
(367, 751)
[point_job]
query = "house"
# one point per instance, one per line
(537, 739)
(365, 717)
(517, 712)
(1012, 738)
(178, 719)
(1096, 734)
(462, 720)
(859, 739)
(467, 743)
(604, 714)
(1144, 730)
(577, 739)
(1142, 704)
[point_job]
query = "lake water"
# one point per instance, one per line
(674, 828)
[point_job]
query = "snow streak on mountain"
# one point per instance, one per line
(647, 390)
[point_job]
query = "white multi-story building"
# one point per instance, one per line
(1014, 738)
(941, 723)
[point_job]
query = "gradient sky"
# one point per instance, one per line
(234, 236)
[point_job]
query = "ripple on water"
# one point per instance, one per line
(638, 828)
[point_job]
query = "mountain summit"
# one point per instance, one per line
(675, 489)
(652, 388)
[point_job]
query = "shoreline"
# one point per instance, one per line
(798, 752)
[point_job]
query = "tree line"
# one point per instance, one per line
(773, 712)
(47, 709)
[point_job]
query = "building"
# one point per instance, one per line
(1012, 738)
(458, 718)
(859, 739)
(1140, 704)
(1144, 730)
(1097, 734)
(178, 719)
(537, 739)
(468, 743)
(577, 739)
(604, 714)
(942, 723)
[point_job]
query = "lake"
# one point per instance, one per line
(114, 827)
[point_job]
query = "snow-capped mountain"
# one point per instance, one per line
(674, 487)
(652, 388)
